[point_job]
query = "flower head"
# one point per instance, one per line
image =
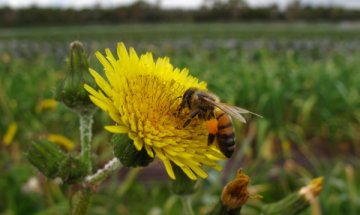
(140, 95)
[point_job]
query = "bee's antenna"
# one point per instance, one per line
(173, 101)
(179, 97)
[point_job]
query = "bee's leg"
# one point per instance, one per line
(211, 115)
(192, 115)
(211, 138)
(181, 107)
(201, 115)
(178, 111)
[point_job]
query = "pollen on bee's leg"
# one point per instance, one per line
(212, 126)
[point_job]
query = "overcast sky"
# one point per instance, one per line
(164, 3)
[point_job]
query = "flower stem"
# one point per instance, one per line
(93, 180)
(86, 120)
(186, 203)
(103, 173)
(297, 201)
(128, 181)
(221, 209)
(85, 194)
(83, 203)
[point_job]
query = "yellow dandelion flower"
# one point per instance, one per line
(62, 141)
(140, 95)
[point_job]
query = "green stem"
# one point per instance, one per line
(290, 205)
(86, 120)
(85, 194)
(83, 203)
(186, 203)
(128, 181)
(220, 209)
(103, 173)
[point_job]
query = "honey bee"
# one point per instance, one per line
(207, 106)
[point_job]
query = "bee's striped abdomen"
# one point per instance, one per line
(225, 136)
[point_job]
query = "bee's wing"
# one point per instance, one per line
(231, 110)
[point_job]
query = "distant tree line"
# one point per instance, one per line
(210, 11)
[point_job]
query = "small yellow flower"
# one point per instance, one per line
(10, 133)
(5, 57)
(62, 141)
(141, 95)
(46, 104)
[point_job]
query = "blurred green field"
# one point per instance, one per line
(180, 30)
(303, 79)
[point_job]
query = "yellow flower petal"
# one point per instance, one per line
(101, 82)
(149, 151)
(169, 169)
(10, 133)
(62, 141)
(117, 129)
(99, 103)
(188, 172)
(46, 104)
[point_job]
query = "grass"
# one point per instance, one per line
(303, 79)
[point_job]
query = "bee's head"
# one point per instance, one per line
(188, 96)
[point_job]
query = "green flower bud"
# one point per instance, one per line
(46, 157)
(52, 162)
(183, 185)
(72, 170)
(71, 91)
(126, 152)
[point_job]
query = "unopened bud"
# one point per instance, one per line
(71, 91)
(72, 170)
(46, 157)
(295, 202)
(54, 163)
(125, 151)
